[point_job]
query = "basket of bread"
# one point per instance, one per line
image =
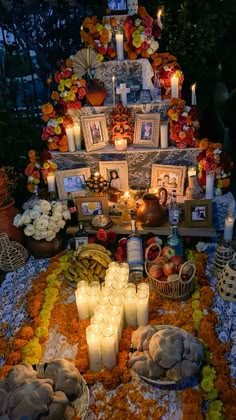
(169, 274)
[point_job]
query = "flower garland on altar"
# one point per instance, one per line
(45, 310)
(70, 94)
(212, 158)
(184, 123)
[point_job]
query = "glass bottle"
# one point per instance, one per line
(72, 209)
(135, 253)
(81, 236)
(174, 240)
(156, 96)
(125, 215)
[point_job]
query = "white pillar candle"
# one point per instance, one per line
(115, 327)
(142, 308)
(130, 308)
(93, 296)
(51, 183)
(121, 144)
(228, 228)
(210, 178)
(144, 287)
(120, 46)
(70, 139)
(94, 347)
(114, 313)
(81, 299)
(113, 90)
(77, 136)
(108, 347)
(164, 134)
(193, 96)
(174, 87)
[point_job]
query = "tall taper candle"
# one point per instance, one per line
(174, 87)
(120, 46)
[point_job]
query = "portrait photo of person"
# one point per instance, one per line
(199, 213)
(146, 131)
(85, 209)
(114, 179)
(117, 4)
(166, 181)
(69, 184)
(98, 209)
(80, 183)
(96, 134)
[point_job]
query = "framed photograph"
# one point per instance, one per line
(88, 207)
(198, 213)
(116, 7)
(95, 131)
(168, 176)
(146, 130)
(73, 181)
(116, 173)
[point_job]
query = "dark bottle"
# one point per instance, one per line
(81, 236)
(174, 240)
(72, 209)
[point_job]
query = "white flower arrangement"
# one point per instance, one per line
(43, 220)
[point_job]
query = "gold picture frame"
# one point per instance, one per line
(73, 181)
(198, 213)
(169, 176)
(119, 169)
(146, 130)
(95, 131)
(88, 207)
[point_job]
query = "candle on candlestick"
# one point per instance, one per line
(113, 90)
(77, 136)
(51, 182)
(194, 98)
(70, 139)
(228, 228)
(121, 144)
(164, 135)
(120, 46)
(174, 86)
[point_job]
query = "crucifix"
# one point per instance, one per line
(123, 91)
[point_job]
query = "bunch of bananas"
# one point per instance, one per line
(89, 262)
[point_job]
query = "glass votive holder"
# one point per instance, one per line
(97, 319)
(108, 346)
(130, 290)
(83, 285)
(93, 338)
(105, 290)
(142, 308)
(103, 300)
(144, 287)
(82, 304)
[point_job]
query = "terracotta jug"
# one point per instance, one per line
(151, 212)
(7, 214)
(96, 92)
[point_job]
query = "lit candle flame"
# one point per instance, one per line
(96, 174)
(159, 13)
(193, 87)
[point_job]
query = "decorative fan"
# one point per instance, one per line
(85, 60)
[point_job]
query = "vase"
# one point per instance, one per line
(96, 92)
(7, 214)
(43, 248)
(151, 212)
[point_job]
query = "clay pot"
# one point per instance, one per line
(151, 212)
(194, 189)
(43, 248)
(7, 214)
(96, 92)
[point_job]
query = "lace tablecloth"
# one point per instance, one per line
(13, 313)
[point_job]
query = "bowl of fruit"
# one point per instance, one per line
(170, 274)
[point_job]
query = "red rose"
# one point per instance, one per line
(101, 235)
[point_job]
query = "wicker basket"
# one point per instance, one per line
(227, 282)
(223, 255)
(178, 289)
(12, 254)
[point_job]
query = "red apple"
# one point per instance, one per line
(156, 271)
(168, 251)
(177, 260)
(160, 261)
(169, 268)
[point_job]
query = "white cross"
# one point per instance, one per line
(122, 91)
